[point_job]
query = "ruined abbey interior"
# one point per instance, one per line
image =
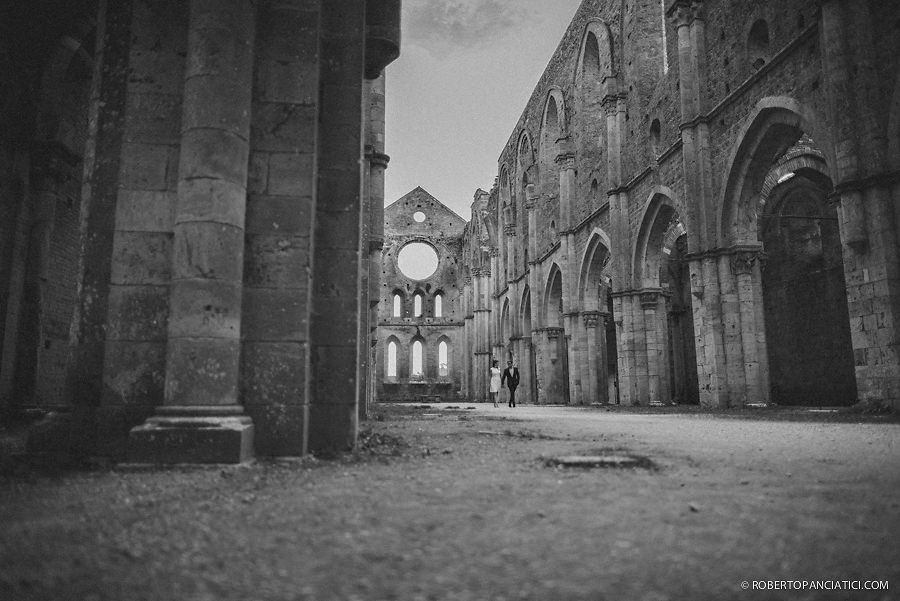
(699, 204)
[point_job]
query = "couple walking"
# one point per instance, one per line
(510, 376)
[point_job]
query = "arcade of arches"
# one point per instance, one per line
(697, 205)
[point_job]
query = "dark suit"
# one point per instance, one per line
(511, 377)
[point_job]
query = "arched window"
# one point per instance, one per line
(418, 370)
(417, 305)
(438, 305)
(443, 359)
(392, 359)
(398, 306)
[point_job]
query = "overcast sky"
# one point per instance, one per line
(466, 70)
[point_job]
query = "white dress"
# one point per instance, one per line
(495, 379)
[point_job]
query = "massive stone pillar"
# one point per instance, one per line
(597, 389)
(377, 163)
(715, 307)
(550, 357)
(202, 420)
(868, 192)
(653, 307)
(338, 257)
(525, 354)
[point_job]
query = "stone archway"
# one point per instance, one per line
(599, 359)
(791, 322)
(804, 294)
(552, 352)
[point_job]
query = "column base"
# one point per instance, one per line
(181, 437)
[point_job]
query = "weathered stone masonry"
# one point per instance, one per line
(440, 319)
(716, 180)
(222, 260)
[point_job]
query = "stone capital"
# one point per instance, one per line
(610, 105)
(684, 12)
(377, 159)
(649, 299)
(494, 252)
(742, 261)
(566, 160)
(553, 332)
(509, 229)
(591, 319)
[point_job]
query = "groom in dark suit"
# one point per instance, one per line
(511, 377)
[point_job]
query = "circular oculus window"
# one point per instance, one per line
(417, 260)
(419, 216)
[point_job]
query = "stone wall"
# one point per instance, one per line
(171, 167)
(681, 119)
(442, 229)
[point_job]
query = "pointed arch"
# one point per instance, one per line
(398, 299)
(553, 298)
(525, 152)
(439, 303)
(596, 59)
(776, 123)
(417, 358)
(659, 222)
(525, 312)
(505, 323)
(444, 357)
(591, 277)
(392, 357)
(555, 114)
(418, 303)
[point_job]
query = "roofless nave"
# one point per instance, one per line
(699, 206)
(700, 203)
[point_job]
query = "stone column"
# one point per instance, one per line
(482, 314)
(534, 283)
(495, 286)
(565, 161)
(338, 256)
(745, 266)
(591, 380)
(510, 231)
(656, 374)
(868, 186)
(377, 163)
(202, 358)
(468, 353)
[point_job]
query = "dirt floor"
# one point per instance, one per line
(465, 502)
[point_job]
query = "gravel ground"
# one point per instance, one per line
(461, 502)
